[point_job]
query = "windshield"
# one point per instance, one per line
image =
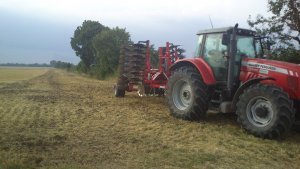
(245, 46)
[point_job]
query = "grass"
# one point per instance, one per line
(62, 120)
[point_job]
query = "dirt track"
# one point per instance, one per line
(62, 120)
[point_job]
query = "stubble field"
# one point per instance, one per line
(62, 120)
(14, 74)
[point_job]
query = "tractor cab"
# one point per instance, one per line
(214, 47)
(223, 50)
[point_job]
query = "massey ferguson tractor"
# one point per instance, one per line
(229, 73)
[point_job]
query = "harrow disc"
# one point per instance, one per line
(131, 64)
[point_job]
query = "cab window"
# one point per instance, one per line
(245, 47)
(214, 55)
(214, 49)
(198, 46)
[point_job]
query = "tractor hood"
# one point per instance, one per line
(264, 65)
(286, 75)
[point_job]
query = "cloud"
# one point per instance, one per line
(28, 40)
(176, 21)
(132, 11)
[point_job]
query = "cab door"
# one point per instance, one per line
(214, 53)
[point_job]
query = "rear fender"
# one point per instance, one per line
(199, 64)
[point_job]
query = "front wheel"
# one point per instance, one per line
(265, 111)
(187, 94)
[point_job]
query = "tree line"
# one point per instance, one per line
(62, 65)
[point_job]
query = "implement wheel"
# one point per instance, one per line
(119, 92)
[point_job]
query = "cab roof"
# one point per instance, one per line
(240, 31)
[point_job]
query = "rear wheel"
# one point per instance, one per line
(187, 94)
(265, 111)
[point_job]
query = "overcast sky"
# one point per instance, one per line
(38, 31)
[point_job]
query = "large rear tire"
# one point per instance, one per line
(265, 111)
(187, 94)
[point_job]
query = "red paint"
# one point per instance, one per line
(204, 69)
(158, 78)
(288, 80)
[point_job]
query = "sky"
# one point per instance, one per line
(38, 31)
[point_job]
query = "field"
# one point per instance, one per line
(62, 120)
(9, 75)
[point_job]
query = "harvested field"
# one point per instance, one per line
(63, 120)
(14, 74)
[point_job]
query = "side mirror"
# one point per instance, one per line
(225, 39)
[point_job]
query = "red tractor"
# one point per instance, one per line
(229, 74)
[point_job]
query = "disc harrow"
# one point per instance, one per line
(136, 73)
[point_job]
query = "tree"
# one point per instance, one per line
(53, 63)
(286, 54)
(283, 28)
(81, 42)
(107, 45)
(181, 52)
(81, 67)
(283, 25)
